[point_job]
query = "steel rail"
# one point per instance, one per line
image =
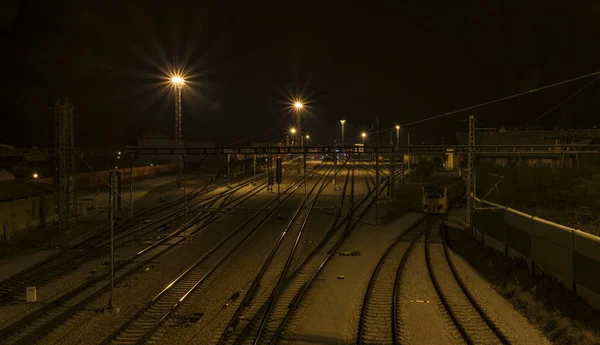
(148, 333)
(37, 333)
(372, 281)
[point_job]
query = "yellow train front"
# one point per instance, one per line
(438, 198)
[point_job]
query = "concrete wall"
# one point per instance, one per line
(25, 214)
(569, 255)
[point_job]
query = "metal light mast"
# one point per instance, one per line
(65, 140)
(343, 122)
(178, 84)
(470, 172)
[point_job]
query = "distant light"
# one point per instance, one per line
(35, 175)
(116, 168)
(298, 105)
(293, 130)
(397, 127)
(342, 121)
(307, 136)
(151, 164)
(363, 134)
(119, 157)
(119, 152)
(177, 80)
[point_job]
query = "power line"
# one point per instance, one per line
(561, 103)
(597, 73)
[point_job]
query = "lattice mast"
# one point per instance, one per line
(65, 166)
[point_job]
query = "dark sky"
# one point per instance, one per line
(401, 61)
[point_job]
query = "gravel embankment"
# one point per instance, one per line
(419, 302)
(137, 290)
(235, 275)
(512, 324)
(331, 310)
(468, 317)
(84, 272)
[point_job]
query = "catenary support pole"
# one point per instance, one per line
(185, 206)
(111, 211)
(131, 189)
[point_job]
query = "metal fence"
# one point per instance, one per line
(569, 255)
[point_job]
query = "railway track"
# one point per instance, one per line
(144, 325)
(274, 268)
(472, 322)
(377, 323)
(97, 245)
(35, 325)
(267, 325)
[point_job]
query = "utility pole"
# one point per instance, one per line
(470, 172)
(111, 219)
(377, 172)
(408, 154)
(228, 169)
(184, 187)
(131, 189)
(65, 167)
(254, 177)
(305, 183)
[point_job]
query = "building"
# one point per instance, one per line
(24, 206)
(525, 141)
(5, 175)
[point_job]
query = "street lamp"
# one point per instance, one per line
(35, 175)
(177, 82)
(299, 106)
(364, 136)
(293, 133)
(397, 135)
(343, 122)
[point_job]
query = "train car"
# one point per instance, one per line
(438, 197)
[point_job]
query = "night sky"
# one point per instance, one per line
(401, 61)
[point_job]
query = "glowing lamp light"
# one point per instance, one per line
(298, 105)
(293, 130)
(177, 80)
(307, 136)
(397, 127)
(35, 175)
(363, 134)
(342, 121)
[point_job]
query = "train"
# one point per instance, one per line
(437, 197)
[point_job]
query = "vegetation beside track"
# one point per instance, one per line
(560, 315)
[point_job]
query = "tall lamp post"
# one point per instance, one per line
(293, 133)
(343, 122)
(397, 135)
(177, 83)
(363, 135)
(298, 106)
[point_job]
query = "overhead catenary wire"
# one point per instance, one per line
(561, 103)
(597, 73)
